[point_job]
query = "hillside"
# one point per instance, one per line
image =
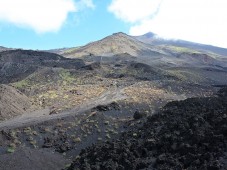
(13, 103)
(153, 39)
(189, 134)
(118, 43)
(148, 49)
(16, 65)
(96, 106)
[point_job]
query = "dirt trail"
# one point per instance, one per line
(43, 115)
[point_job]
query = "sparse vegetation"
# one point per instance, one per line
(181, 49)
(109, 102)
(10, 150)
(23, 84)
(66, 77)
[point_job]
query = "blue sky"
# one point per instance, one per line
(49, 24)
(78, 29)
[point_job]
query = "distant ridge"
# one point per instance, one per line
(4, 48)
(154, 39)
(116, 43)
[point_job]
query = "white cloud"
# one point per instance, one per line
(86, 3)
(133, 10)
(39, 15)
(201, 21)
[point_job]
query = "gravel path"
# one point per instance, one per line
(43, 115)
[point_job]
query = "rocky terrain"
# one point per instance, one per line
(115, 44)
(13, 103)
(119, 94)
(15, 65)
(159, 53)
(189, 134)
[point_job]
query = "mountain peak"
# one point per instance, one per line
(117, 43)
(120, 33)
(149, 35)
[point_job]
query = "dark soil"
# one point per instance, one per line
(92, 66)
(16, 65)
(138, 115)
(189, 134)
(111, 106)
(32, 159)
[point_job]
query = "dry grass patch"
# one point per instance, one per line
(143, 94)
(62, 98)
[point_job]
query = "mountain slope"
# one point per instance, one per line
(18, 64)
(115, 44)
(153, 39)
(153, 51)
(13, 102)
(4, 48)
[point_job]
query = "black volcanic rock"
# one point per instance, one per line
(189, 134)
(93, 66)
(223, 92)
(38, 58)
(18, 64)
(111, 106)
(141, 66)
(138, 115)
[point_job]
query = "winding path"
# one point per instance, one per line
(43, 115)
